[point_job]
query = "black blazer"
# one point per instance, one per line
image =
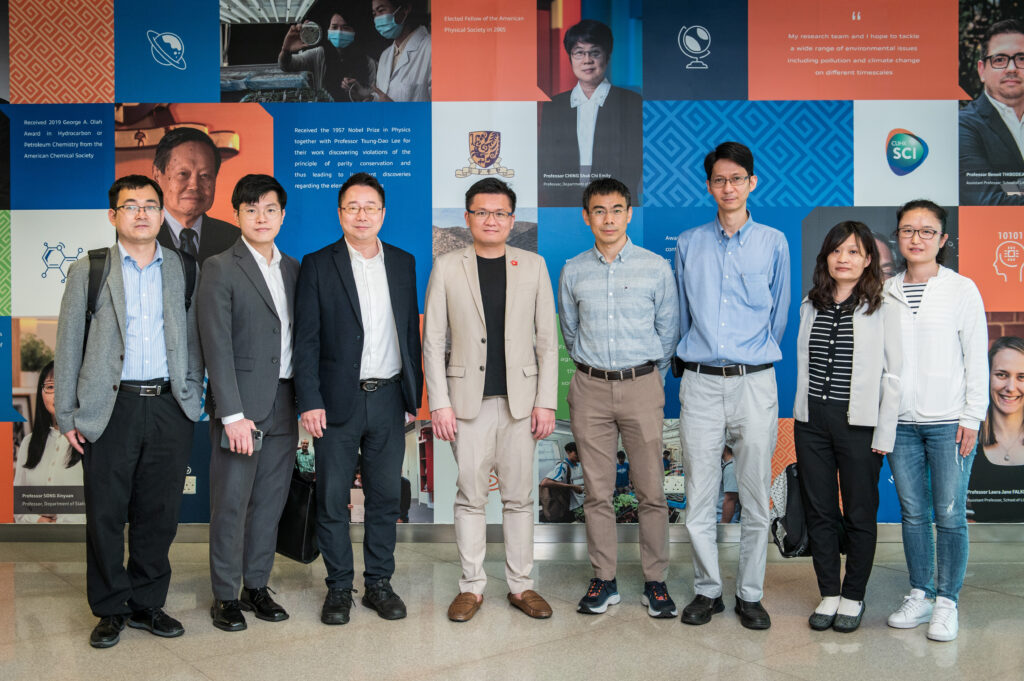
(618, 145)
(329, 330)
(241, 333)
(986, 146)
(216, 237)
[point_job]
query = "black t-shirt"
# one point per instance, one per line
(491, 272)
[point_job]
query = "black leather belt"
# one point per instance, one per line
(371, 385)
(727, 370)
(619, 375)
(145, 389)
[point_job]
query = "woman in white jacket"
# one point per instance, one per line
(945, 394)
(848, 355)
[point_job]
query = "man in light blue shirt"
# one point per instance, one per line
(619, 317)
(733, 279)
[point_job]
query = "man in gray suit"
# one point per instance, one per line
(245, 306)
(141, 373)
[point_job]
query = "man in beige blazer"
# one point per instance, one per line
(490, 355)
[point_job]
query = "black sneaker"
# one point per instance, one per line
(657, 600)
(156, 622)
(337, 606)
(381, 597)
(701, 608)
(108, 631)
(259, 602)
(600, 594)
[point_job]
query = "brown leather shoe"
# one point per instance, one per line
(463, 607)
(532, 604)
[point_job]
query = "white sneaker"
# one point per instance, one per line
(943, 625)
(915, 610)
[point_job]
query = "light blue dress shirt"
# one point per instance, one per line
(733, 294)
(145, 352)
(619, 314)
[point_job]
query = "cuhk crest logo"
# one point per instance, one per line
(905, 151)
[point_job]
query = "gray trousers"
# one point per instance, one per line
(743, 412)
(247, 495)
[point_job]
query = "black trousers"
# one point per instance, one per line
(134, 472)
(375, 433)
(826, 445)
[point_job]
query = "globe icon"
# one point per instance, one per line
(167, 49)
(695, 41)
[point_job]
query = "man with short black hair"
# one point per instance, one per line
(991, 127)
(358, 380)
(245, 306)
(492, 388)
(733, 279)
(186, 166)
(126, 400)
(620, 321)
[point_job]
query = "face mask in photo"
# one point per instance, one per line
(387, 26)
(341, 39)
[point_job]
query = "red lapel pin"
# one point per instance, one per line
(513, 262)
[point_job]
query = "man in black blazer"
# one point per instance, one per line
(245, 306)
(186, 166)
(358, 378)
(991, 131)
(595, 122)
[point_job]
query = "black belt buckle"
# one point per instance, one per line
(369, 386)
(150, 390)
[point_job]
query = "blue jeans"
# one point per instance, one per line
(931, 476)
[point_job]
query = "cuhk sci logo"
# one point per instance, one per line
(905, 151)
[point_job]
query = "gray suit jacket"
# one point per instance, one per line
(86, 386)
(241, 333)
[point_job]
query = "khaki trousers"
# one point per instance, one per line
(494, 440)
(599, 411)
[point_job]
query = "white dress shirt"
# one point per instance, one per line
(381, 358)
(1013, 123)
(587, 109)
(275, 282)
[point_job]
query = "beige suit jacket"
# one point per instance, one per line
(455, 335)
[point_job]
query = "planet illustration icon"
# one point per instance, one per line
(167, 49)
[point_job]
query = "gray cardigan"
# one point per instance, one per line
(875, 379)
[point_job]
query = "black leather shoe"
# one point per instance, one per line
(156, 621)
(108, 632)
(260, 602)
(380, 597)
(227, 615)
(336, 606)
(701, 608)
(752, 614)
(845, 624)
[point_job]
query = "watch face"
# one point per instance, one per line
(310, 33)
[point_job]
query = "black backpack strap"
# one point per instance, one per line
(188, 269)
(99, 268)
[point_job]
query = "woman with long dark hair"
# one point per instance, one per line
(45, 458)
(338, 61)
(945, 395)
(998, 474)
(848, 386)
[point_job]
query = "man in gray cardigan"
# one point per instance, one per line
(140, 372)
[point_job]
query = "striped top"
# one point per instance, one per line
(145, 351)
(831, 353)
(913, 292)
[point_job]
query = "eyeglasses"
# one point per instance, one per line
(131, 210)
(271, 212)
(48, 388)
(371, 211)
(484, 214)
(735, 181)
(601, 212)
(1001, 61)
(926, 233)
(580, 55)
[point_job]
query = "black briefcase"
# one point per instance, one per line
(296, 533)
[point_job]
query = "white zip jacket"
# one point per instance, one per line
(875, 377)
(945, 351)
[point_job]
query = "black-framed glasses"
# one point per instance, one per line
(735, 181)
(927, 234)
(371, 211)
(1001, 61)
(132, 210)
(484, 214)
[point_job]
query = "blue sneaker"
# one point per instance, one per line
(657, 600)
(599, 596)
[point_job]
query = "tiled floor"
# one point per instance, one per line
(45, 624)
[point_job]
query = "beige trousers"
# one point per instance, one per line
(494, 440)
